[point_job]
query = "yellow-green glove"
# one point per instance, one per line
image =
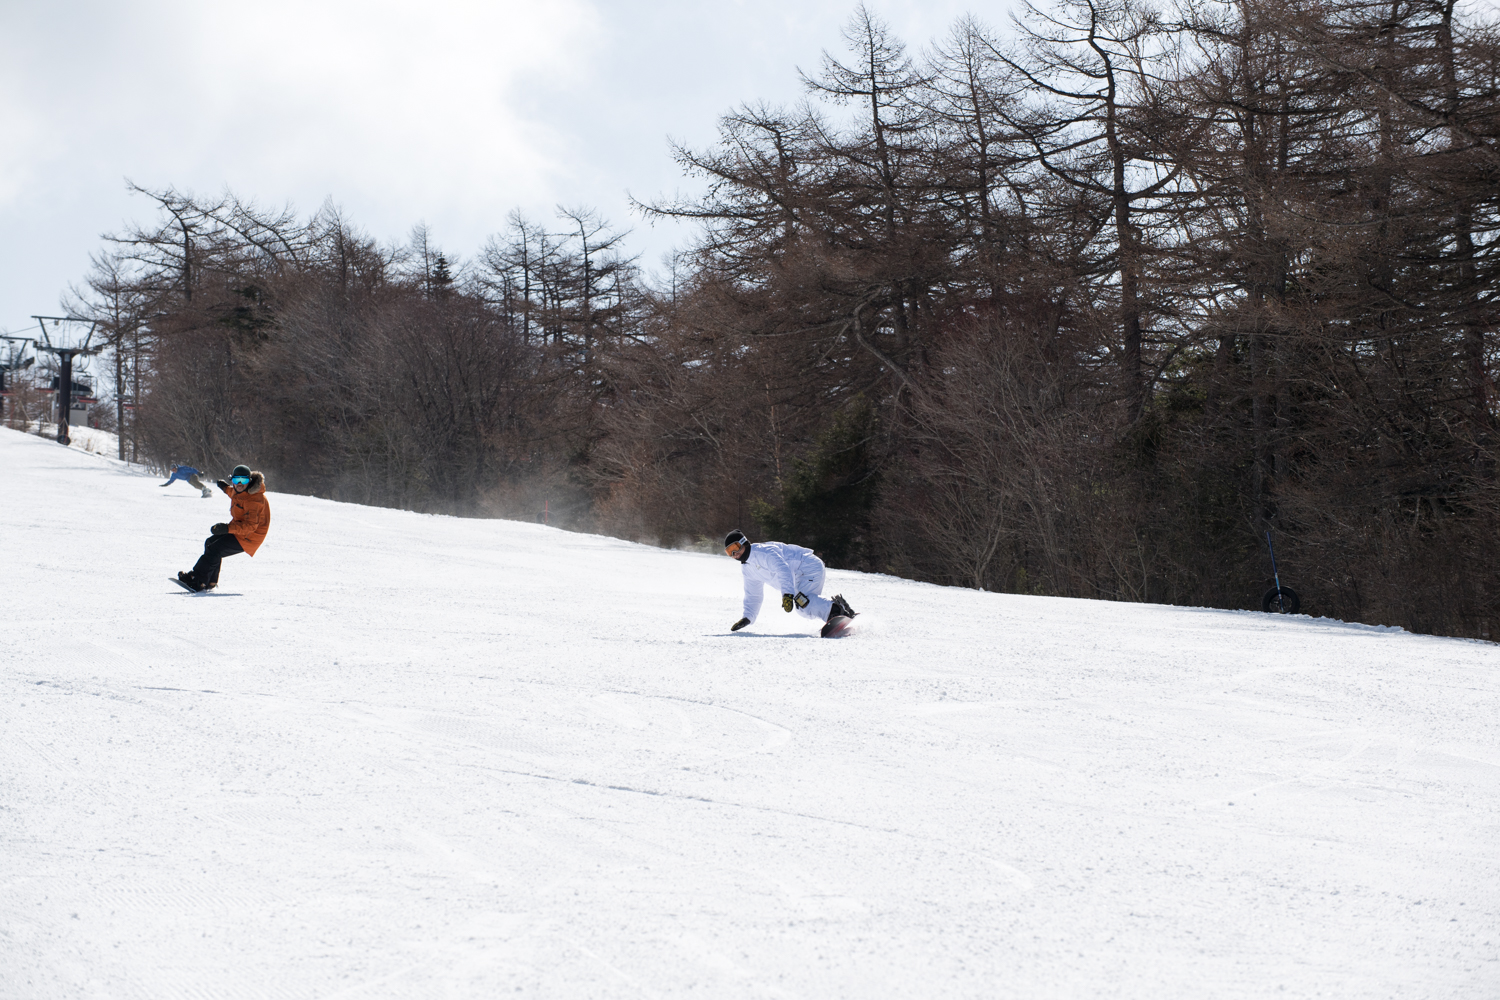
(786, 602)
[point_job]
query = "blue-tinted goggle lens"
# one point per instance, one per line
(240, 480)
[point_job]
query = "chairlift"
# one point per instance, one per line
(82, 389)
(67, 343)
(13, 360)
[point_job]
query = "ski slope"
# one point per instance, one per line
(407, 756)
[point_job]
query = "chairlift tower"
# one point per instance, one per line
(13, 360)
(67, 346)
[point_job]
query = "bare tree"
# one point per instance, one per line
(114, 298)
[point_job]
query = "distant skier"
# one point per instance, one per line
(795, 572)
(189, 475)
(250, 519)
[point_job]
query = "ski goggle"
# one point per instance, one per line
(240, 480)
(734, 549)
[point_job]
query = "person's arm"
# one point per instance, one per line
(755, 592)
(782, 571)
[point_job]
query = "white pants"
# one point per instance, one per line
(811, 584)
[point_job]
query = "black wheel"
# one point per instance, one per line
(1281, 600)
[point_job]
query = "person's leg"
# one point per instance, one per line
(228, 546)
(811, 584)
(206, 571)
(208, 562)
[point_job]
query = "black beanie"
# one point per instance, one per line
(240, 470)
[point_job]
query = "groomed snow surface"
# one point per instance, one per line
(408, 756)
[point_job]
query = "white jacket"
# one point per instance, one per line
(784, 567)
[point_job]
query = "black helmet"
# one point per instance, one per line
(737, 545)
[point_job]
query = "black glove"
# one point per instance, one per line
(220, 528)
(801, 599)
(787, 601)
(221, 484)
(739, 624)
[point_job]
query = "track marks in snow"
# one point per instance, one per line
(609, 732)
(212, 897)
(614, 970)
(716, 960)
(1322, 769)
(364, 990)
(476, 732)
(1019, 878)
(274, 818)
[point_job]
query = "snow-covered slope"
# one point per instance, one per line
(85, 439)
(408, 756)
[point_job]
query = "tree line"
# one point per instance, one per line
(1085, 308)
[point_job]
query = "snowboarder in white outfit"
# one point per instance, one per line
(795, 573)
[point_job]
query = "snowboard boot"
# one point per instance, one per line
(206, 492)
(838, 614)
(191, 580)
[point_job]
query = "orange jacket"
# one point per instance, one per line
(251, 514)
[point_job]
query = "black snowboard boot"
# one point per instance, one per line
(841, 606)
(192, 581)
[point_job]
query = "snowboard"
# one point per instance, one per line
(837, 626)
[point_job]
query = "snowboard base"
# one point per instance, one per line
(838, 625)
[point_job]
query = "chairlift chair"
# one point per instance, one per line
(13, 359)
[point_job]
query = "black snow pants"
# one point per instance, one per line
(215, 548)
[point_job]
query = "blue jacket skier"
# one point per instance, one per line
(189, 475)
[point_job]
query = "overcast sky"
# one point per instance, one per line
(448, 112)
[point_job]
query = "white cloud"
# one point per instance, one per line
(449, 111)
(409, 100)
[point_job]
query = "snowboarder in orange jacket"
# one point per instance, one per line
(250, 519)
